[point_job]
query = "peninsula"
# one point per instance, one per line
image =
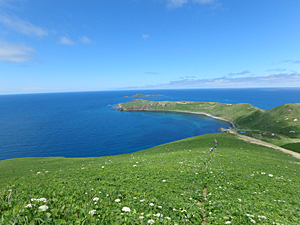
(279, 126)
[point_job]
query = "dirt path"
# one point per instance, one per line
(259, 142)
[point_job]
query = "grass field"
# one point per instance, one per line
(175, 183)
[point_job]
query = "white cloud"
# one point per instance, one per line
(15, 53)
(66, 41)
(151, 73)
(240, 73)
(274, 80)
(22, 26)
(176, 3)
(180, 3)
(85, 40)
(204, 1)
(145, 36)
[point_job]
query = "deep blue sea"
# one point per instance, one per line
(86, 124)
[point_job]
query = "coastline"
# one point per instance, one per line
(242, 137)
(120, 108)
(205, 114)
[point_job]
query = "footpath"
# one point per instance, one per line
(259, 142)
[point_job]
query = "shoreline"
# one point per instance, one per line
(242, 137)
(180, 111)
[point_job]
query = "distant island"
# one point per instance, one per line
(141, 95)
(279, 126)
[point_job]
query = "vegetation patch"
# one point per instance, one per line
(292, 146)
(161, 185)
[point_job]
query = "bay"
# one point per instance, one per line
(86, 124)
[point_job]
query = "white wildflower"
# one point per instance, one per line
(151, 204)
(168, 218)
(163, 180)
(43, 207)
(151, 221)
(96, 199)
(141, 217)
(92, 212)
(263, 173)
(42, 200)
(142, 200)
(126, 209)
(38, 172)
(160, 207)
(102, 167)
(270, 175)
(240, 200)
(29, 205)
(228, 222)
(134, 165)
(252, 220)
(117, 200)
(263, 217)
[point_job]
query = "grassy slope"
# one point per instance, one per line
(276, 125)
(227, 111)
(236, 177)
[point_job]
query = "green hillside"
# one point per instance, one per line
(280, 125)
(281, 120)
(227, 111)
(175, 183)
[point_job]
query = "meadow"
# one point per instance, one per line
(180, 182)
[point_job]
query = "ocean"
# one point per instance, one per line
(87, 124)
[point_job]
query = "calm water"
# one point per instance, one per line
(86, 124)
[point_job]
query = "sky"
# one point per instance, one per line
(95, 45)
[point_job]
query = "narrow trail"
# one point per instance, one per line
(202, 207)
(204, 193)
(259, 142)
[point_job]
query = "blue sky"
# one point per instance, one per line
(94, 45)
